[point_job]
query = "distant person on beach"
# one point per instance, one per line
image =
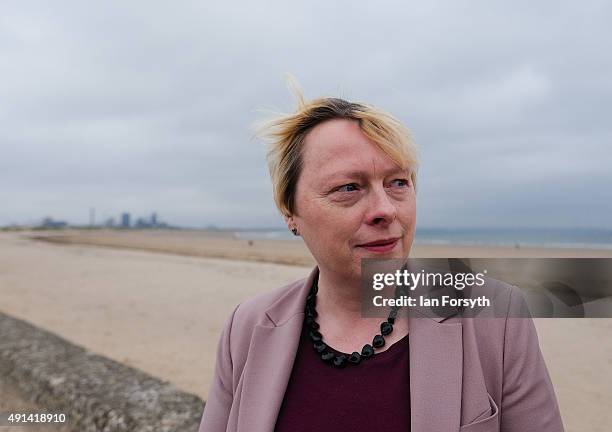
(302, 357)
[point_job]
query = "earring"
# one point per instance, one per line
(294, 231)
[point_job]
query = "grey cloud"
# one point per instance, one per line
(146, 106)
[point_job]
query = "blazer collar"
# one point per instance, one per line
(293, 301)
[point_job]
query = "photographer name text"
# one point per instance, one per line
(380, 301)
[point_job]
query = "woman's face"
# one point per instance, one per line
(350, 193)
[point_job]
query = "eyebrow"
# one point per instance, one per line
(362, 174)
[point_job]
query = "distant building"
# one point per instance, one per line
(92, 216)
(141, 223)
(52, 224)
(110, 222)
(125, 220)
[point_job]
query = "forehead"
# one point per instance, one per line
(339, 145)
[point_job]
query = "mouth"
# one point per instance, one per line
(381, 245)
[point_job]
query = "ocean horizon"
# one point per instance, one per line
(543, 237)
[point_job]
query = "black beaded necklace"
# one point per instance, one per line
(325, 351)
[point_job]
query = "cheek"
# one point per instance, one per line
(340, 234)
(330, 229)
(337, 233)
(408, 216)
(409, 207)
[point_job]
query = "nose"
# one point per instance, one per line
(381, 208)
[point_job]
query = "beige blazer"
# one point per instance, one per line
(466, 374)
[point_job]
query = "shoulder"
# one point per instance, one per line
(505, 327)
(252, 311)
(490, 326)
(506, 300)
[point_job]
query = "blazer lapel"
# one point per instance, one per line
(436, 365)
(266, 374)
(269, 364)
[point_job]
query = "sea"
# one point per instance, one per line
(588, 238)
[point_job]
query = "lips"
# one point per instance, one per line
(380, 242)
(381, 245)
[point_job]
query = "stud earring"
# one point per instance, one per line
(294, 231)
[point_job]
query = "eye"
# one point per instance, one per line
(351, 187)
(403, 182)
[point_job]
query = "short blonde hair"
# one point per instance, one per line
(286, 133)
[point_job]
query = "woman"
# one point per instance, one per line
(302, 358)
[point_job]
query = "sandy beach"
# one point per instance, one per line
(156, 300)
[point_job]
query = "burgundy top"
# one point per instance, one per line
(373, 395)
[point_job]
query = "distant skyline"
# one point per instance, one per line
(150, 106)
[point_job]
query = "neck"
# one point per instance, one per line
(338, 295)
(339, 313)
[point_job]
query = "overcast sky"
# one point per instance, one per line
(148, 106)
